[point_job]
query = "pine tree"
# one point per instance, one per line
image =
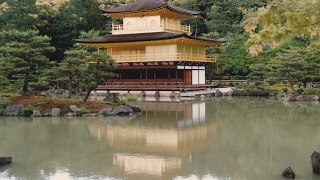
(24, 52)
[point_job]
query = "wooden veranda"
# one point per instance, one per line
(152, 86)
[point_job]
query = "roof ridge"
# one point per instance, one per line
(147, 5)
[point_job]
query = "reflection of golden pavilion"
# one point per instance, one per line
(138, 164)
(156, 143)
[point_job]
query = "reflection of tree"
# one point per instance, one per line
(251, 133)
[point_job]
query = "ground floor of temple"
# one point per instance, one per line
(157, 77)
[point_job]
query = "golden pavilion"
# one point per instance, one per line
(153, 50)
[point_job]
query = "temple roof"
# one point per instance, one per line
(148, 5)
(142, 37)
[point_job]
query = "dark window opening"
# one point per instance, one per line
(180, 74)
(162, 74)
(131, 74)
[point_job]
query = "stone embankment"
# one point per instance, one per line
(303, 97)
(18, 109)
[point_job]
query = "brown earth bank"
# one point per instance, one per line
(45, 104)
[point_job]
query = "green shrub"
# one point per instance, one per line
(251, 91)
(129, 97)
(300, 91)
(240, 92)
(219, 84)
(31, 108)
(84, 111)
(285, 90)
(43, 102)
(312, 91)
(3, 104)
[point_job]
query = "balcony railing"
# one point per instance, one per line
(120, 28)
(173, 57)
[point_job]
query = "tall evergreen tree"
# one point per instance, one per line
(100, 67)
(94, 16)
(73, 66)
(226, 16)
(24, 52)
(20, 15)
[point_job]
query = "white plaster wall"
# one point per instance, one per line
(141, 23)
(202, 77)
(195, 76)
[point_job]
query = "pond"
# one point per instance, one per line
(214, 139)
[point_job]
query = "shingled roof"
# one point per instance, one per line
(148, 5)
(142, 37)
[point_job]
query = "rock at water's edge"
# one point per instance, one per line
(5, 160)
(288, 172)
(55, 112)
(315, 162)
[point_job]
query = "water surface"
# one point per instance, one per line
(227, 138)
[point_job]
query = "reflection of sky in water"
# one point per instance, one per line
(205, 177)
(64, 174)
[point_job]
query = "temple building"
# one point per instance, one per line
(153, 50)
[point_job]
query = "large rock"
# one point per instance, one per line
(28, 112)
(288, 173)
(136, 108)
(315, 162)
(111, 97)
(289, 97)
(5, 160)
(14, 110)
(75, 110)
(173, 94)
(122, 110)
(218, 93)
(105, 112)
(55, 112)
(4, 99)
(36, 113)
(224, 91)
(307, 98)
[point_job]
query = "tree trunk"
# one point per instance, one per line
(234, 36)
(289, 83)
(70, 87)
(25, 83)
(304, 84)
(87, 95)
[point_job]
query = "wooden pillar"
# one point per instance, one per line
(176, 73)
(140, 74)
(147, 74)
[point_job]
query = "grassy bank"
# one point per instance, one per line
(45, 104)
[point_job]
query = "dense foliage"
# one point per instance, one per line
(37, 48)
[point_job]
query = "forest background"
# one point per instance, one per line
(268, 41)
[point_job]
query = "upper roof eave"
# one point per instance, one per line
(146, 6)
(126, 38)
